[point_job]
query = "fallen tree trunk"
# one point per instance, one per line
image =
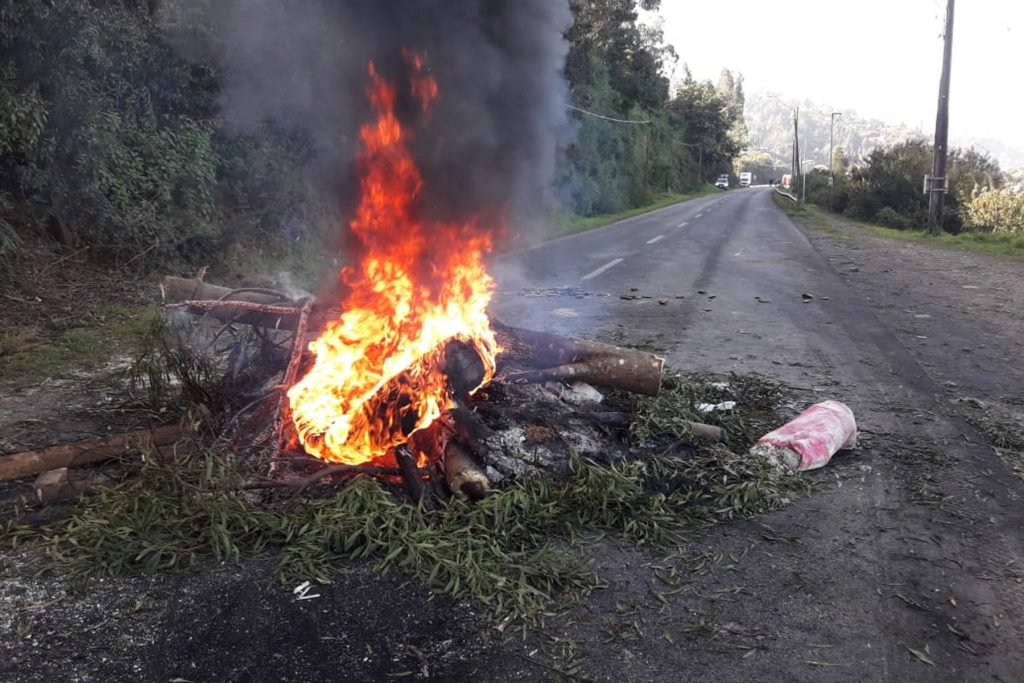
(27, 463)
(556, 358)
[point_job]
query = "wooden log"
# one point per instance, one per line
(463, 475)
(699, 430)
(463, 368)
(27, 463)
(179, 290)
(706, 432)
(410, 473)
(54, 486)
(555, 358)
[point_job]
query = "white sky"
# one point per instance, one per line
(881, 58)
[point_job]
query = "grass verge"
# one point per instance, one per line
(807, 214)
(569, 223)
(1003, 245)
(94, 338)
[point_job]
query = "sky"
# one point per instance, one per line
(881, 58)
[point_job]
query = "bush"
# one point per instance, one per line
(113, 140)
(995, 210)
(99, 127)
(817, 190)
(891, 218)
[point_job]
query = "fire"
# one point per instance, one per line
(378, 373)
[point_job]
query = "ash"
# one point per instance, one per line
(539, 427)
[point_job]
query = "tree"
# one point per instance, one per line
(704, 115)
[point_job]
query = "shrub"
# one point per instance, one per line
(995, 210)
(891, 218)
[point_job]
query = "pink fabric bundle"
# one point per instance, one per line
(811, 439)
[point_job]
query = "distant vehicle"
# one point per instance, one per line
(746, 179)
(723, 181)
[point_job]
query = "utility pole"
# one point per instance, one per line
(938, 184)
(831, 146)
(796, 144)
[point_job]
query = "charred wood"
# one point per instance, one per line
(463, 368)
(410, 473)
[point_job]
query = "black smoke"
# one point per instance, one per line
(491, 139)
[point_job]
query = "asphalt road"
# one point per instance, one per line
(908, 565)
(738, 262)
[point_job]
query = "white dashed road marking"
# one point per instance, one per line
(682, 225)
(655, 239)
(595, 273)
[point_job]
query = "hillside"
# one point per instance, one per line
(770, 126)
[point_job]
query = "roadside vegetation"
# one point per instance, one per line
(885, 189)
(1002, 244)
(30, 353)
(111, 141)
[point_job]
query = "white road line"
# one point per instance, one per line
(682, 225)
(595, 273)
(699, 215)
(655, 239)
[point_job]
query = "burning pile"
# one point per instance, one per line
(405, 369)
(378, 371)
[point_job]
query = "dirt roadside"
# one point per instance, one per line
(959, 314)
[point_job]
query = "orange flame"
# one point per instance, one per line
(378, 370)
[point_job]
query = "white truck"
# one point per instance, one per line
(746, 179)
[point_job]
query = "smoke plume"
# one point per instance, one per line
(491, 137)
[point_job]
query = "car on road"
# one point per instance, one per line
(723, 181)
(746, 179)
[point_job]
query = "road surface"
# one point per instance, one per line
(909, 566)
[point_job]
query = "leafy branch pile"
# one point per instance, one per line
(517, 552)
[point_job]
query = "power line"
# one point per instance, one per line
(599, 116)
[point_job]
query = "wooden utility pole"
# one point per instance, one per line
(797, 170)
(938, 184)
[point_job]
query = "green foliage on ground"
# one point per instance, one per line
(1006, 245)
(520, 552)
(1002, 244)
